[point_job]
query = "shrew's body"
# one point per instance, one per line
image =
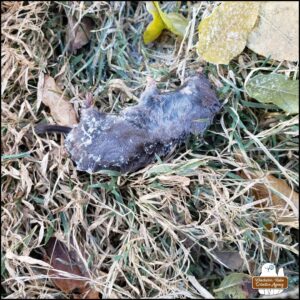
(129, 141)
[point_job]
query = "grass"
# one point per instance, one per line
(152, 233)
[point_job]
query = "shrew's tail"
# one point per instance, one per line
(44, 128)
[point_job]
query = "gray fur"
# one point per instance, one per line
(130, 140)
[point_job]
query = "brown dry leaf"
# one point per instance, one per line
(275, 187)
(61, 110)
(62, 259)
(261, 191)
(277, 31)
(78, 34)
(231, 259)
(92, 294)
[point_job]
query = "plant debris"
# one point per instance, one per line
(150, 233)
(174, 22)
(61, 109)
(68, 270)
(276, 34)
(223, 35)
(277, 89)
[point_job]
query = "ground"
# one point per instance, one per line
(156, 232)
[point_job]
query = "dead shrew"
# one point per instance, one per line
(129, 141)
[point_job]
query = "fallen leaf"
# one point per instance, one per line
(174, 22)
(92, 294)
(236, 286)
(61, 110)
(223, 35)
(275, 189)
(62, 259)
(275, 88)
(231, 259)
(279, 186)
(277, 31)
(261, 191)
(78, 33)
(157, 25)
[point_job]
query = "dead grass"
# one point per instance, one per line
(151, 233)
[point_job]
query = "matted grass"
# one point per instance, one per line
(153, 232)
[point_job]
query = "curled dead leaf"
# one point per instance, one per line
(231, 259)
(281, 195)
(78, 33)
(278, 186)
(278, 190)
(174, 22)
(157, 25)
(26, 181)
(61, 109)
(67, 265)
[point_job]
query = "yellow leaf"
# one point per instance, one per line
(276, 33)
(223, 34)
(174, 22)
(157, 25)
